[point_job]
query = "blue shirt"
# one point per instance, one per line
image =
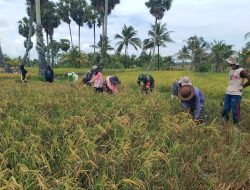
(196, 103)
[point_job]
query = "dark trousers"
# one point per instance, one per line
(99, 89)
(23, 76)
(232, 102)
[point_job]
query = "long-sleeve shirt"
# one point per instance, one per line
(98, 82)
(245, 75)
(196, 103)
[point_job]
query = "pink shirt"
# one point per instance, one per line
(98, 80)
(113, 88)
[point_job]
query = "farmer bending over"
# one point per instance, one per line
(88, 77)
(191, 98)
(97, 79)
(49, 74)
(234, 91)
(147, 82)
(111, 84)
(73, 77)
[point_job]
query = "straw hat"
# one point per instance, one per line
(186, 93)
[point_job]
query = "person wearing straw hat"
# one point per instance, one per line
(234, 91)
(191, 98)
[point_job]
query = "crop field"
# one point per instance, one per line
(61, 136)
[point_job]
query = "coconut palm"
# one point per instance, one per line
(102, 56)
(157, 8)
(74, 58)
(93, 21)
(183, 55)
(63, 10)
(198, 47)
(160, 36)
(127, 37)
(220, 51)
(104, 7)
(50, 21)
(78, 13)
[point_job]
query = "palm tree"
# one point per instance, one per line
(157, 8)
(160, 36)
(63, 10)
(74, 58)
(93, 21)
(104, 7)
(220, 51)
(50, 21)
(39, 36)
(102, 56)
(127, 37)
(183, 55)
(79, 15)
(64, 45)
(198, 47)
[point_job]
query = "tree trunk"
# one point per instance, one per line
(52, 55)
(94, 37)
(94, 43)
(79, 38)
(158, 57)
(126, 49)
(106, 18)
(29, 46)
(151, 61)
(72, 45)
(40, 44)
(48, 48)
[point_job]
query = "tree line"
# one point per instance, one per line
(44, 16)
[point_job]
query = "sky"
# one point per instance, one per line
(226, 20)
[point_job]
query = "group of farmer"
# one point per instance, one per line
(191, 98)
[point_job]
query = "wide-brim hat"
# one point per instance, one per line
(114, 80)
(185, 81)
(186, 92)
(232, 61)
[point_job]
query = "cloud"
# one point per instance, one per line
(211, 19)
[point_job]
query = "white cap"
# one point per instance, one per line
(232, 60)
(185, 81)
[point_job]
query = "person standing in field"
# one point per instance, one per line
(192, 99)
(234, 91)
(111, 84)
(23, 73)
(147, 81)
(97, 79)
(49, 74)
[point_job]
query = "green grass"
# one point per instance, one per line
(58, 136)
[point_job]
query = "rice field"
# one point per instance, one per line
(63, 136)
